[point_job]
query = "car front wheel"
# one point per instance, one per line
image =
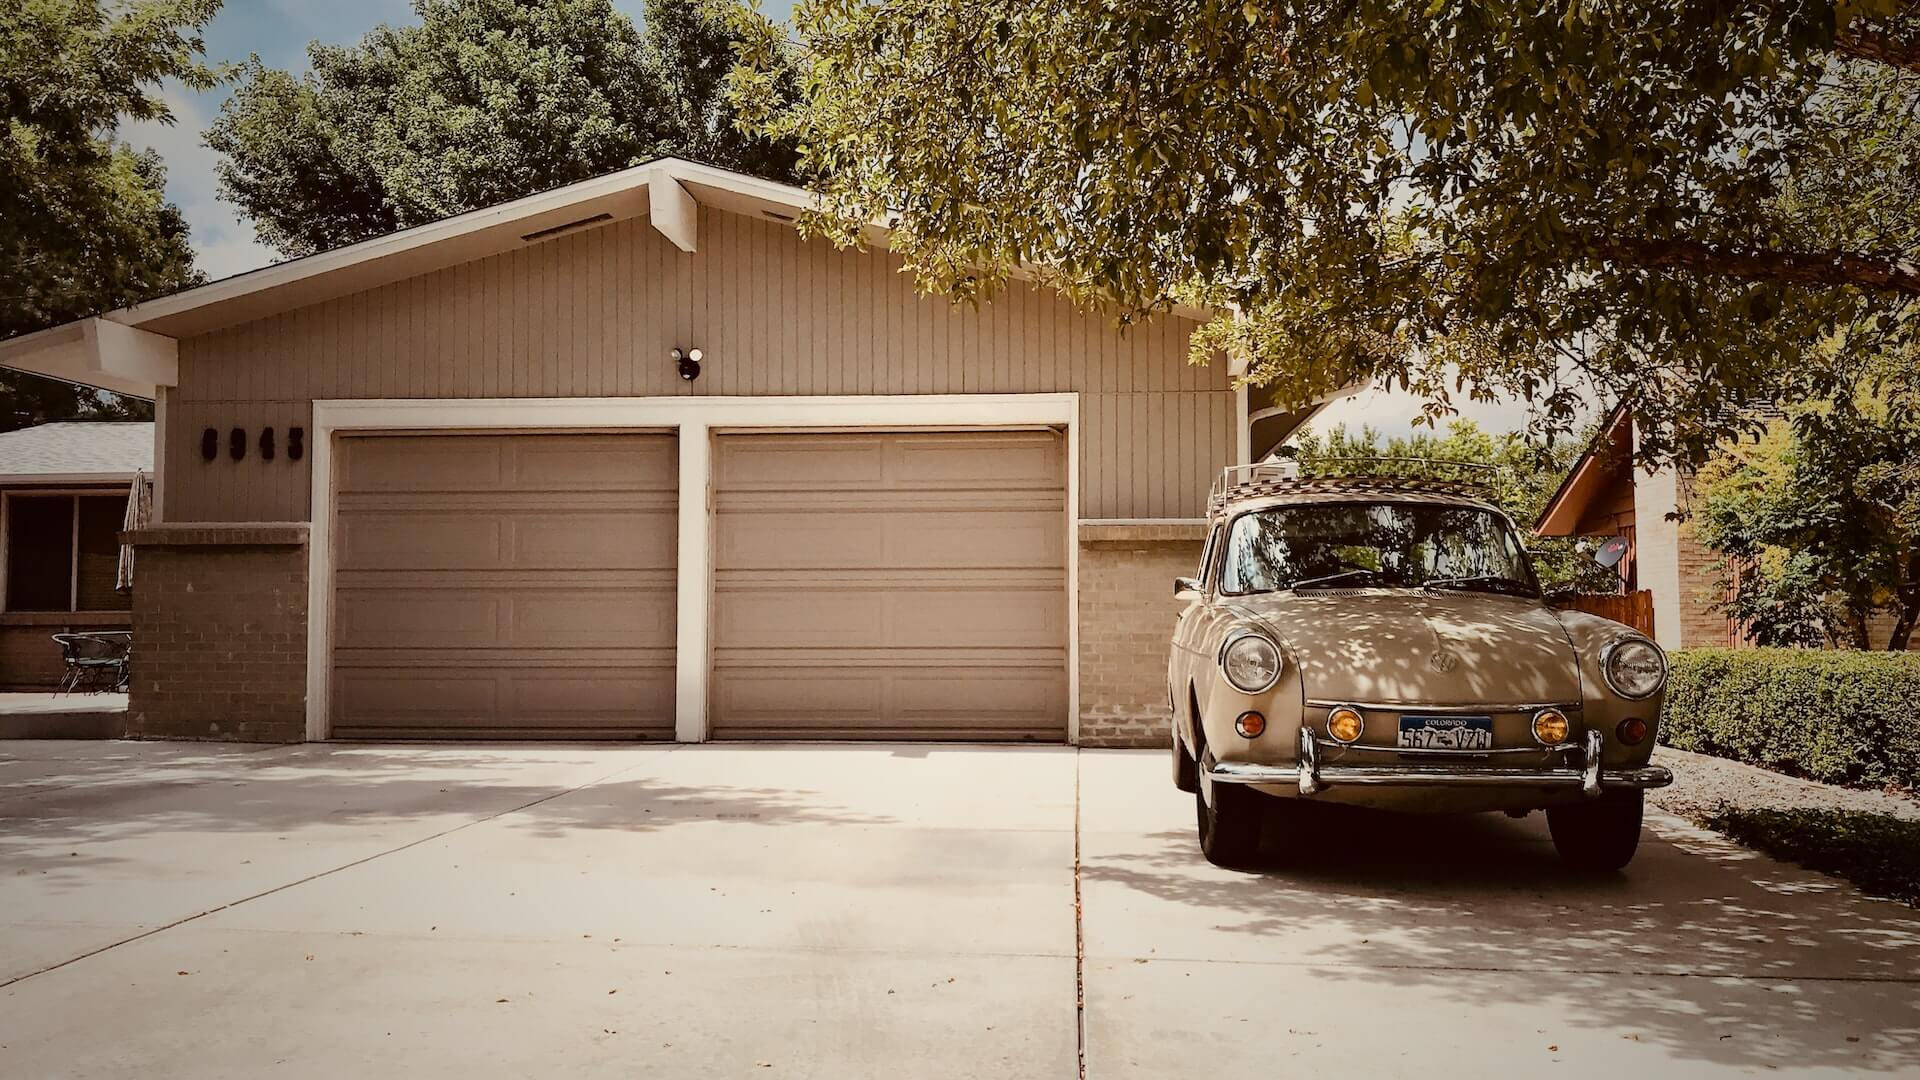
(1598, 836)
(1229, 819)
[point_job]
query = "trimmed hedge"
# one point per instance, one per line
(1842, 717)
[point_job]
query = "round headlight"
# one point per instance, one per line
(1251, 663)
(1634, 667)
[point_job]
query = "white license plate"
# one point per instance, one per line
(1446, 732)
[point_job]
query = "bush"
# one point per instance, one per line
(1837, 716)
(1878, 852)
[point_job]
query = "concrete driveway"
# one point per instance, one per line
(872, 911)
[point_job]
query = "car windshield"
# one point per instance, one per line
(1374, 545)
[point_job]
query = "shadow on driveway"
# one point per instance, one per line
(1700, 950)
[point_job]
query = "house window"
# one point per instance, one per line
(63, 552)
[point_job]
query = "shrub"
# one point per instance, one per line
(1838, 716)
(1878, 852)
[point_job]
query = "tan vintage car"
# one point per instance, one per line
(1384, 643)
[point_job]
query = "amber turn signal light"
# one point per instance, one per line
(1631, 731)
(1550, 727)
(1345, 724)
(1250, 725)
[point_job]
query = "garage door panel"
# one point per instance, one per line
(502, 463)
(410, 541)
(779, 462)
(505, 586)
(507, 703)
(574, 537)
(889, 703)
(576, 463)
(810, 619)
(425, 463)
(1008, 462)
(906, 585)
(399, 618)
(549, 616)
(881, 539)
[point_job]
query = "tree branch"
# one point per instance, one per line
(1867, 42)
(1880, 274)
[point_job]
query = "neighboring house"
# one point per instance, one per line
(1603, 496)
(455, 482)
(63, 498)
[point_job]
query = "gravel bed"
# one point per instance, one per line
(1702, 784)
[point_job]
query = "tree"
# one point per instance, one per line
(482, 102)
(84, 221)
(1557, 202)
(1519, 478)
(1820, 516)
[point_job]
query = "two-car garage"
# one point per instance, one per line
(860, 584)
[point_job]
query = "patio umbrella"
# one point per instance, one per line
(139, 511)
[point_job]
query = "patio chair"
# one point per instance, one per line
(95, 662)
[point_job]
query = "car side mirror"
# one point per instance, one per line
(1186, 588)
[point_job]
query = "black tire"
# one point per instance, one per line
(1186, 771)
(1599, 836)
(1230, 825)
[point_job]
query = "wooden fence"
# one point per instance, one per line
(1634, 608)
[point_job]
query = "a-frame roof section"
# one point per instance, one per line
(667, 188)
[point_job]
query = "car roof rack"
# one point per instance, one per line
(1263, 478)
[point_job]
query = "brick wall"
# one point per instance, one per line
(1126, 623)
(220, 633)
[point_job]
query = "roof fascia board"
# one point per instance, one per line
(1568, 505)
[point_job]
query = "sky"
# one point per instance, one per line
(279, 30)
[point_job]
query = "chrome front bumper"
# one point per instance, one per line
(1310, 775)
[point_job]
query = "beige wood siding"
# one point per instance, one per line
(594, 313)
(889, 586)
(504, 586)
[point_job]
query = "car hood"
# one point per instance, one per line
(1405, 646)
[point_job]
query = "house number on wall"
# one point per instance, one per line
(237, 444)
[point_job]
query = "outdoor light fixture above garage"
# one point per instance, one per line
(689, 363)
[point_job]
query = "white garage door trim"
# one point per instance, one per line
(694, 419)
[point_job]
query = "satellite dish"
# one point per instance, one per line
(1611, 551)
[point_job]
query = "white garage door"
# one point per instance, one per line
(890, 586)
(504, 586)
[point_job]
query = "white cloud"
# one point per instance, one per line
(223, 239)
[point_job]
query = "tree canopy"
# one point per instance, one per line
(1668, 203)
(482, 102)
(84, 221)
(1822, 518)
(1519, 478)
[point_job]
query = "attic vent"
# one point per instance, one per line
(568, 227)
(777, 216)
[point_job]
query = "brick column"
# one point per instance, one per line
(1126, 626)
(219, 632)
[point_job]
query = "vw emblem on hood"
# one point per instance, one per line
(1443, 661)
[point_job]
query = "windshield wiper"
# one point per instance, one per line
(1328, 579)
(1495, 582)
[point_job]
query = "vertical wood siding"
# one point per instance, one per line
(594, 313)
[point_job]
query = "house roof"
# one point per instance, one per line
(1610, 451)
(81, 452)
(134, 350)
